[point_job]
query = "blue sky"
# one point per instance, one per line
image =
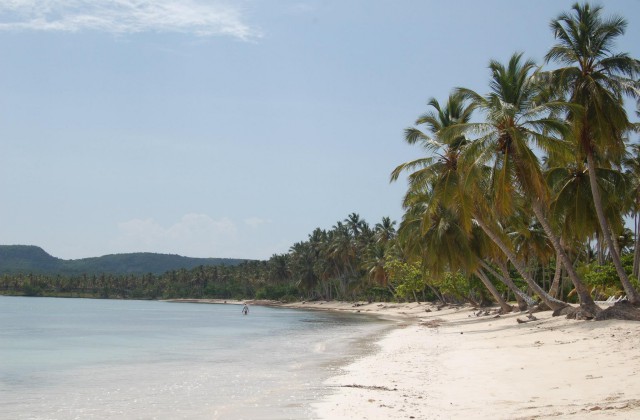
(230, 128)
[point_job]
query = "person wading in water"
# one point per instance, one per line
(245, 309)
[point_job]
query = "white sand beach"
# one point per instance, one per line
(452, 364)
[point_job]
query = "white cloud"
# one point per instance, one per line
(195, 235)
(125, 16)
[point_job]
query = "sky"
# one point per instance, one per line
(231, 129)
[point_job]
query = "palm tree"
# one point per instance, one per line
(301, 264)
(532, 244)
(596, 78)
(434, 180)
(385, 231)
(374, 261)
(342, 250)
(278, 270)
(524, 301)
(448, 247)
(494, 234)
(573, 204)
(517, 118)
(375, 249)
(632, 164)
(437, 173)
(438, 184)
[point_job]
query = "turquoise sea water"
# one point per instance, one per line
(96, 359)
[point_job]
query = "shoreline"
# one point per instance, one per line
(451, 363)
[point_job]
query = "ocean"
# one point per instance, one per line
(99, 359)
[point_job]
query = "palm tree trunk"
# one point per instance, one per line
(551, 302)
(586, 302)
(555, 285)
(632, 293)
(636, 253)
(437, 293)
(506, 308)
(600, 249)
(524, 301)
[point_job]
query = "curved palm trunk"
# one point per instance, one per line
(437, 293)
(506, 308)
(555, 285)
(524, 301)
(551, 302)
(586, 302)
(632, 293)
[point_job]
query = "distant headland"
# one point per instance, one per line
(16, 259)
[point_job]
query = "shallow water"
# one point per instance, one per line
(95, 359)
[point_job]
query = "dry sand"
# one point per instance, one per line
(452, 364)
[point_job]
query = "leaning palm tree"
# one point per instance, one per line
(444, 244)
(438, 153)
(596, 78)
(485, 217)
(517, 118)
(438, 172)
(434, 180)
(439, 182)
(573, 204)
(456, 249)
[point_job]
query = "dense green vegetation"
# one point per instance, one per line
(522, 193)
(204, 281)
(15, 259)
(539, 167)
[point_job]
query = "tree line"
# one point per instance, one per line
(350, 261)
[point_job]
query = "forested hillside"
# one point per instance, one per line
(25, 259)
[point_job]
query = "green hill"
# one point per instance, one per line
(15, 259)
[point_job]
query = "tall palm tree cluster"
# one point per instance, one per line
(538, 167)
(356, 261)
(345, 261)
